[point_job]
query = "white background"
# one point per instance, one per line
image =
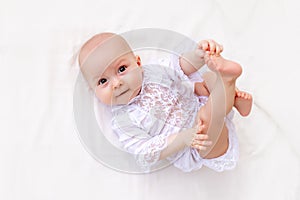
(41, 156)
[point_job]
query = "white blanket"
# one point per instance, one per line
(41, 155)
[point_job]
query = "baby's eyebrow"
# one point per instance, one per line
(120, 61)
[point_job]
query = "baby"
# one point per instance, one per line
(156, 112)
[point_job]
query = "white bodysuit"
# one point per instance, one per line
(167, 105)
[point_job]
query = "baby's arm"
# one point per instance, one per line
(151, 149)
(192, 61)
(200, 89)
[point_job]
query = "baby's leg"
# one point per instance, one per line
(243, 100)
(219, 104)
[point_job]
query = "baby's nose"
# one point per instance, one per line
(117, 82)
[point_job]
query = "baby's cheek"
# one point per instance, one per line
(135, 79)
(98, 94)
(103, 95)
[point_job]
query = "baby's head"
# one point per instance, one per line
(111, 68)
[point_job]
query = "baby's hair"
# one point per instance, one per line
(91, 44)
(75, 59)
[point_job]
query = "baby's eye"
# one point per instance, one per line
(102, 81)
(122, 68)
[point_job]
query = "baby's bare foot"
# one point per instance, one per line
(243, 102)
(227, 68)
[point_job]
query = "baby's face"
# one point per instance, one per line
(114, 72)
(120, 82)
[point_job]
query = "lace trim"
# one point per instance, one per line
(229, 160)
(151, 153)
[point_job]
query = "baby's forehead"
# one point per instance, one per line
(104, 46)
(105, 63)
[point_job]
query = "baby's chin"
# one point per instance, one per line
(126, 97)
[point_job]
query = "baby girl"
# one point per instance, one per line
(158, 112)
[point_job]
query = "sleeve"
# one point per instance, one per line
(134, 140)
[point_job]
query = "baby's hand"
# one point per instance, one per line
(200, 140)
(211, 47)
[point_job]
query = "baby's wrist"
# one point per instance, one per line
(188, 136)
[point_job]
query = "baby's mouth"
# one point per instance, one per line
(118, 95)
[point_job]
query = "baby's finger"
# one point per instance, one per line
(219, 49)
(202, 143)
(212, 47)
(199, 147)
(222, 48)
(204, 45)
(200, 137)
(207, 143)
(201, 129)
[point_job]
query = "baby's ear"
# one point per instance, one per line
(138, 60)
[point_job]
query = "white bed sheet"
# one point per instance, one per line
(41, 156)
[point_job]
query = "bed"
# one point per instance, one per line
(42, 155)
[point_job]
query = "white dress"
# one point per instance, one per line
(166, 105)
